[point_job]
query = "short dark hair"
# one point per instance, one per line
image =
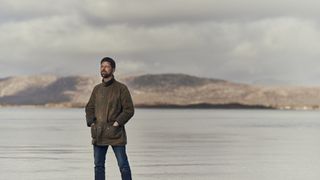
(110, 60)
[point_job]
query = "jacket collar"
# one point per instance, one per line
(108, 83)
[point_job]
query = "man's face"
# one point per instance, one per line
(106, 69)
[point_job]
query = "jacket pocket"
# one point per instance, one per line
(115, 132)
(93, 131)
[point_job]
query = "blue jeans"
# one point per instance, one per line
(100, 157)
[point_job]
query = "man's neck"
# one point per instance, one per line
(107, 79)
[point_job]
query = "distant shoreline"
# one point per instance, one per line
(174, 106)
(205, 106)
(157, 106)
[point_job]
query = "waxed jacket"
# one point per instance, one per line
(109, 102)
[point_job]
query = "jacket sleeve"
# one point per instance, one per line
(126, 105)
(90, 109)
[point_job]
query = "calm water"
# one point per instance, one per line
(51, 144)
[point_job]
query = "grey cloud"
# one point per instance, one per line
(160, 12)
(236, 41)
(146, 12)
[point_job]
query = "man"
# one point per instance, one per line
(109, 108)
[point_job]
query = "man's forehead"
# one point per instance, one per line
(105, 63)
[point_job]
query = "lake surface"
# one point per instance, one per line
(165, 144)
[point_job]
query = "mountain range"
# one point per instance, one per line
(157, 90)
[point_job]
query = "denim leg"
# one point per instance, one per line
(99, 161)
(123, 163)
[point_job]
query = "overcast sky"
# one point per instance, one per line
(242, 41)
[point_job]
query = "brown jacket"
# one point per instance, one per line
(109, 102)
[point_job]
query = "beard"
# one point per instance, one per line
(105, 74)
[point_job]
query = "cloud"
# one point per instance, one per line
(243, 42)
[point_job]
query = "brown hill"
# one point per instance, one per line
(158, 90)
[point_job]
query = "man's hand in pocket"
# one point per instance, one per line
(116, 124)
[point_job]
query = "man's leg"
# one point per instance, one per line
(123, 163)
(99, 161)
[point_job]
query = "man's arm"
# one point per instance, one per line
(127, 107)
(90, 115)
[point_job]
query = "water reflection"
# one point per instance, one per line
(165, 144)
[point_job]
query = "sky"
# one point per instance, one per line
(249, 41)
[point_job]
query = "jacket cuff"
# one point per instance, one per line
(90, 121)
(119, 123)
